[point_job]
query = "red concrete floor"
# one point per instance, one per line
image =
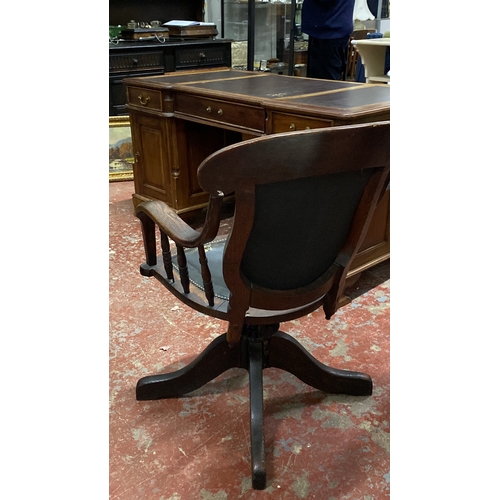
(318, 446)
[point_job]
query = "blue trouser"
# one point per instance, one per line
(327, 58)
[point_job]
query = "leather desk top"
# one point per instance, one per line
(329, 98)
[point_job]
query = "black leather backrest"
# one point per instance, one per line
(300, 226)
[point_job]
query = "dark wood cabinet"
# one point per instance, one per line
(137, 58)
(155, 58)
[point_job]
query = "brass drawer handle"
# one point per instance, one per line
(144, 101)
(209, 109)
(292, 126)
(220, 112)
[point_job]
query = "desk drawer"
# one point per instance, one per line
(213, 110)
(135, 62)
(150, 99)
(203, 56)
(284, 122)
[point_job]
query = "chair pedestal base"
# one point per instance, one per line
(260, 347)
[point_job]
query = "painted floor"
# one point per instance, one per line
(197, 447)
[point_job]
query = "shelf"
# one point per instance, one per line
(379, 79)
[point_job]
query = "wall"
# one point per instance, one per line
(381, 25)
(123, 11)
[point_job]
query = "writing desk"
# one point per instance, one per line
(179, 119)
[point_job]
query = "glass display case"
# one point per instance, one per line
(261, 31)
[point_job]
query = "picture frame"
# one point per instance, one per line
(121, 157)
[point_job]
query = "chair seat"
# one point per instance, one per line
(196, 298)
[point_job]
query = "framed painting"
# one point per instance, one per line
(121, 157)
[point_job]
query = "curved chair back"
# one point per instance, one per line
(303, 203)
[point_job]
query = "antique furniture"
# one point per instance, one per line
(152, 57)
(128, 59)
(303, 203)
(373, 57)
(179, 119)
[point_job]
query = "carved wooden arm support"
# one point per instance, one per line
(158, 212)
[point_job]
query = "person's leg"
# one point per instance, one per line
(326, 59)
(315, 58)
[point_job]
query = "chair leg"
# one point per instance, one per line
(288, 354)
(213, 361)
(255, 368)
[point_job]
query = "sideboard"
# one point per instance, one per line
(135, 58)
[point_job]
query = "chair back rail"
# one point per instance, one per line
(303, 202)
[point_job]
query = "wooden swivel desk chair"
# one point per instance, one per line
(303, 203)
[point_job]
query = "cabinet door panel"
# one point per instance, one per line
(151, 171)
(376, 245)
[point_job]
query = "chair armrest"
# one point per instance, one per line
(176, 228)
